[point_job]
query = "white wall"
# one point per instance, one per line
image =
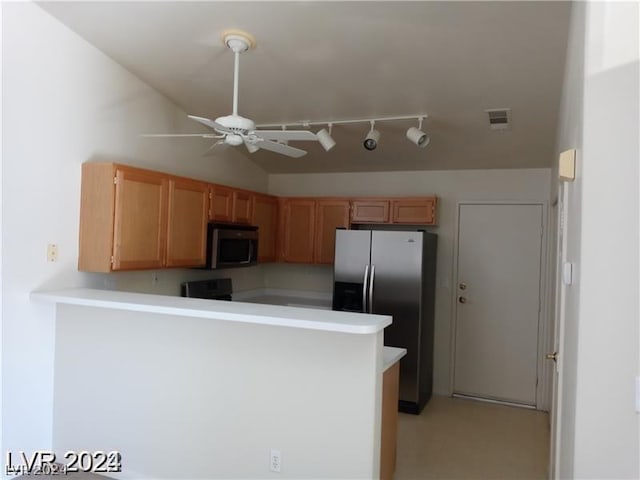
(184, 397)
(65, 103)
(599, 117)
(450, 186)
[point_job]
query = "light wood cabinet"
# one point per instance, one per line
(264, 214)
(134, 219)
(403, 210)
(140, 219)
(221, 203)
(389, 429)
(297, 230)
(330, 214)
(414, 211)
(187, 223)
(242, 205)
(370, 211)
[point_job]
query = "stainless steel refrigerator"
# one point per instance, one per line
(393, 273)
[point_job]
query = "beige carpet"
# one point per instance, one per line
(464, 439)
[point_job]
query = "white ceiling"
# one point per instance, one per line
(341, 60)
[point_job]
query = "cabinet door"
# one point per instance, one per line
(370, 211)
(265, 217)
(241, 207)
(330, 214)
(221, 202)
(187, 223)
(415, 211)
(298, 230)
(140, 216)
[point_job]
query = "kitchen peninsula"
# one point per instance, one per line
(193, 388)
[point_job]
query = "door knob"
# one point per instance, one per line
(552, 356)
(462, 300)
(462, 286)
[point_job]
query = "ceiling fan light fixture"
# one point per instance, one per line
(372, 138)
(325, 139)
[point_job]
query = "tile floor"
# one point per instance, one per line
(463, 439)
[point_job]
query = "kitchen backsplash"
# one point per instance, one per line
(289, 276)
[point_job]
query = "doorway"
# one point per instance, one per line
(498, 301)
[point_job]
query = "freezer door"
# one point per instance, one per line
(353, 249)
(396, 290)
(351, 270)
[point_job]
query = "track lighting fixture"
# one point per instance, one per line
(325, 139)
(417, 136)
(371, 140)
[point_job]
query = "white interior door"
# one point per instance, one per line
(498, 301)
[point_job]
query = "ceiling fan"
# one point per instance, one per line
(234, 129)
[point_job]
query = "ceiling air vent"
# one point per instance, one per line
(499, 118)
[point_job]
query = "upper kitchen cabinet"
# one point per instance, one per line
(134, 219)
(403, 210)
(370, 210)
(297, 230)
(221, 203)
(187, 222)
(414, 211)
(264, 214)
(241, 207)
(122, 218)
(330, 214)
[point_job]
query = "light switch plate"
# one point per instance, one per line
(637, 394)
(567, 165)
(52, 252)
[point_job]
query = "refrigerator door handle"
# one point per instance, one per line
(373, 276)
(364, 288)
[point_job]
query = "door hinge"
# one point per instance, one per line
(115, 180)
(112, 260)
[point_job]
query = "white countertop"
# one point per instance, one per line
(391, 355)
(307, 318)
(286, 298)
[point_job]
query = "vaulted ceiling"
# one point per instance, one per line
(319, 61)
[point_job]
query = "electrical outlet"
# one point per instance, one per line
(276, 461)
(637, 394)
(154, 279)
(52, 252)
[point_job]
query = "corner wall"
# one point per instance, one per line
(600, 430)
(64, 103)
(450, 186)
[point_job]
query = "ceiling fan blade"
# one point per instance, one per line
(284, 135)
(280, 148)
(211, 124)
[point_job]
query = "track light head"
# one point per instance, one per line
(372, 138)
(325, 139)
(418, 137)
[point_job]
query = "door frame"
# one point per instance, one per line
(543, 374)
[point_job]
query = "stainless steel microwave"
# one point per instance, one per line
(231, 246)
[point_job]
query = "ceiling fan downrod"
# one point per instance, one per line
(238, 42)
